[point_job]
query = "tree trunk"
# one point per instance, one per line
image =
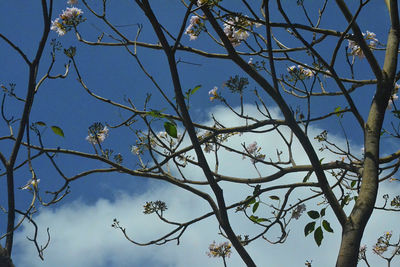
(349, 247)
(5, 260)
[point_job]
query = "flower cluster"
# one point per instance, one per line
(395, 201)
(361, 252)
(135, 150)
(296, 213)
(70, 18)
(382, 244)
(97, 133)
(254, 151)
(237, 84)
(221, 250)
(250, 62)
(236, 30)
(151, 141)
(164, 137)
(392, 98)
(243, 240)
(156, 206)
(208, 147)
(213, 144)
(195, 27)
(256, 65)
(213, 93)
(300, 72)
(355, 49)
(208, 2)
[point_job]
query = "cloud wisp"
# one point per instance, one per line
(81, 234)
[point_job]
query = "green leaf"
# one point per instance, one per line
(156, 113)
(170, 128)
(190, 92)
(252, 201)
(318, 236)
(262, 220)
(345, 201)
(320, 161)
(353, 183)
(40, 123)
(255, 206)
(274, 197)
(309, 228)
(327, 226)
(313, 214)
(197, 87)
(337, 109)
(253, 218)
(57, 130)
(322, 212)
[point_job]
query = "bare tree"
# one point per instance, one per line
(298, 73)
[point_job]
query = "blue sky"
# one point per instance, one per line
(80, 225)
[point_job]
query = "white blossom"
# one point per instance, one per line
(70, 17)
(392, 98)
(235, 30)
(195, 20)
(213, 93)
(328, 74)
(305, 71)
(291, 68)
(32, 182)
(135, 150)
(300, 70)
(241, 34)
(201, 2)
(71, 13)
(99, 137)
(252, 148)
(355, 49)
(194, 28)
(58, 27)
(162, 135)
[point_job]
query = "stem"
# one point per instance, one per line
(220, 210)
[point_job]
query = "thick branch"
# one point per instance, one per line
(273, 92)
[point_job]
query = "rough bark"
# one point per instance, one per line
(354, 227)
(5, 260)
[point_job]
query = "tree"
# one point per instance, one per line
(262, 40)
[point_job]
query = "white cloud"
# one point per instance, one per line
(81, 234)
